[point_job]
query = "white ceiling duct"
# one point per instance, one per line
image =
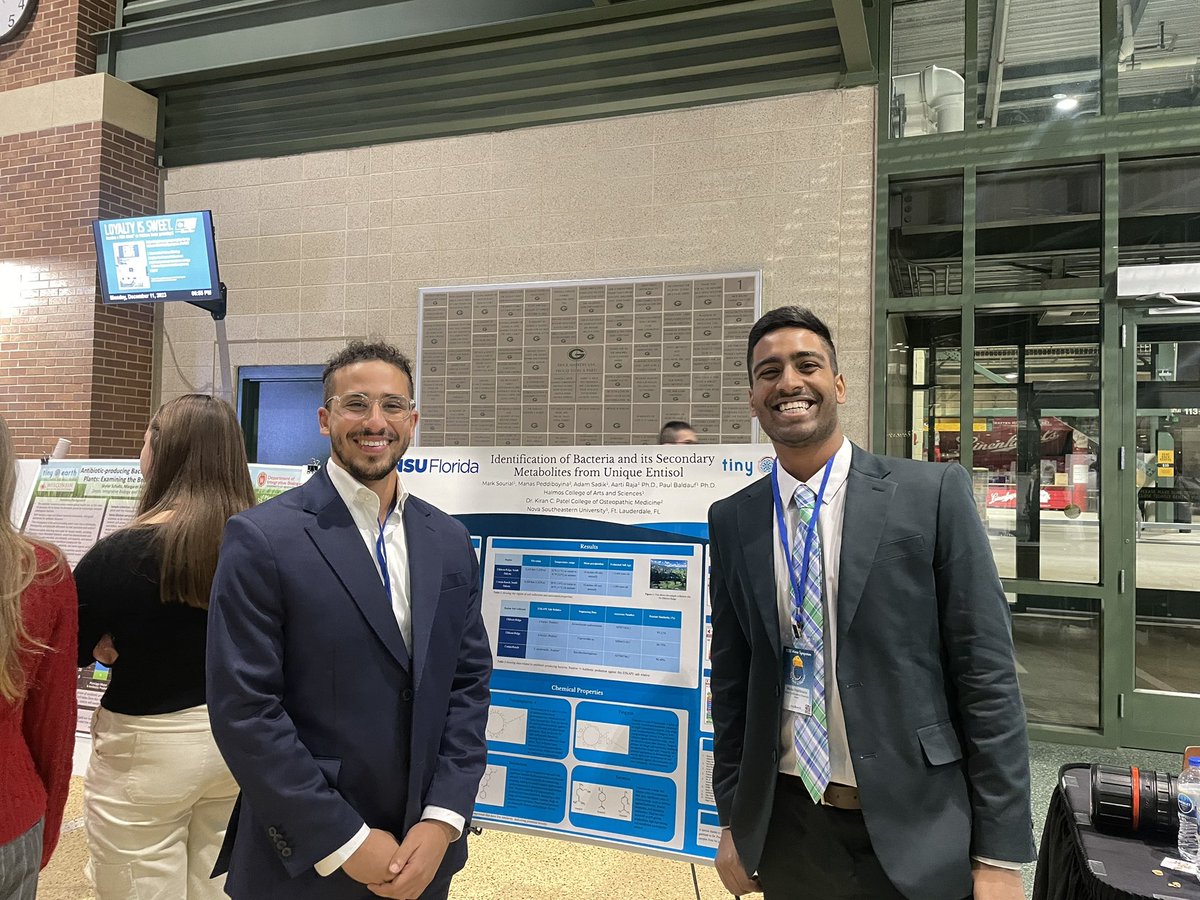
(1126, 32)
(933, 100)
(1164, 62)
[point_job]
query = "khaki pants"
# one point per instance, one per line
(157, 799)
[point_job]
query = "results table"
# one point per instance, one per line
(649, 640)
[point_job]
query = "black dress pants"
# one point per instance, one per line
(819, 851)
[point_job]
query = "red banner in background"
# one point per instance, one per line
(1004, 496)
(996, 448)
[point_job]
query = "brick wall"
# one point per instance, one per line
(72, 367)
(122, 340)
(69, 366)
(59, 43)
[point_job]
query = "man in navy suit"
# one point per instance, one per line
(348, 666)
(869, 733)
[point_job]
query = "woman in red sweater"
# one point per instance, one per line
(38, 621)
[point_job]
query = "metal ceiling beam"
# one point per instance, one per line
(253, 32)
(534, 54)
(267, 144)
(418, 102)
(856, 44)
(995, 83)
(253, 36)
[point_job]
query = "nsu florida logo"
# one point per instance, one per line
(438, 466)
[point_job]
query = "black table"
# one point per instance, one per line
(1077, 862)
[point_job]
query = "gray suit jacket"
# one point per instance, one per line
(925, 667)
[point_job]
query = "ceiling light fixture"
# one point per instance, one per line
(1065, 103)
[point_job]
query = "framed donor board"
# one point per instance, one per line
(568, 363)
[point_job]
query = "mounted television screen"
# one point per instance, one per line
(157, 258)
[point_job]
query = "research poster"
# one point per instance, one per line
(594, 565)
(77, 502)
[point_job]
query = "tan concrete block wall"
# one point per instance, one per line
(323, 247)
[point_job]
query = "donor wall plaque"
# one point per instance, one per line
(571, 363)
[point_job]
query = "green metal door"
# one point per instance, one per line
(1157, 612)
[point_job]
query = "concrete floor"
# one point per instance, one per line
(506, 866)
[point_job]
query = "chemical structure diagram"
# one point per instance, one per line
(507, 725)
(602, 736)
(491, 786)
(602, 800)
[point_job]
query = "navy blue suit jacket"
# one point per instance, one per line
(324, 716)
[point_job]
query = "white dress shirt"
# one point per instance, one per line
(364, 504)
(830, 519)
(829, 523)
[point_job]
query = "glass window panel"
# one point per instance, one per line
(927, 67)
(1167, 471)
(1158, 59)
(923, 381)
(1160, 211)
(1057, 643)
(1035, 438)
(925, 240)
(1039, 62)
(1038, 229)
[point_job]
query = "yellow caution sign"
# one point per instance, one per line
(1166, 457)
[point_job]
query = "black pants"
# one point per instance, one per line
(819, 851)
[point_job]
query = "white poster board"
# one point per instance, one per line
(594, 565)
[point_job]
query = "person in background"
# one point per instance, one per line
(677, 433)
(869, 734)
(157, 795)
(349, 665)
(37, 694)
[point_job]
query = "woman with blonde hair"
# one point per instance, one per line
(157, 795)
(37, 694)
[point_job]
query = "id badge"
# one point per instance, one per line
(799, 675)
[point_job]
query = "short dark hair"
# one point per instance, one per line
(671, 429)
(361, 351)
(789, 317)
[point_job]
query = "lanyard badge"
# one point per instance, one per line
(381, 553)
(785, 541)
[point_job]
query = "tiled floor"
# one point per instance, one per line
(508, 866)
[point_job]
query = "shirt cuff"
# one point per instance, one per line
(998, 863)
(337, 858)
(449, 816)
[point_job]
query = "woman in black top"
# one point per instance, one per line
(157, 795)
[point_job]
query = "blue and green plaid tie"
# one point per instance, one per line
(811, 733)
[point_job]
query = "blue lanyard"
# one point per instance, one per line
(785, 541)
(381, 553)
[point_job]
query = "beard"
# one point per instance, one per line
(370, 469)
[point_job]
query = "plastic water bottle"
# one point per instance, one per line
(1189, 809)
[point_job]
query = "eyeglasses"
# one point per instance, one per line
(356, 406)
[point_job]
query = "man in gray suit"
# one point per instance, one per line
(869, 733)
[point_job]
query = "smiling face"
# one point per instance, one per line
(369, 448)
(794, 392)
